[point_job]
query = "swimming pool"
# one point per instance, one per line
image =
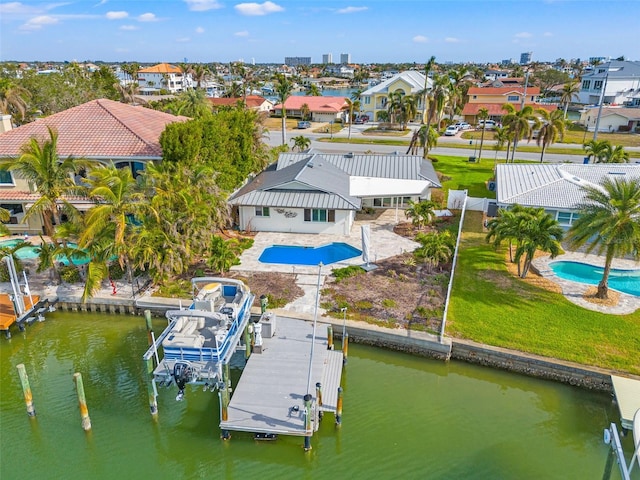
(30, 252)
(297, 255)
(626, 281)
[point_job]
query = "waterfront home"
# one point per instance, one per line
(163, 76)
(493, 98)
(321, 109)
(620, 80)
(375, 99)
(556, 188)
(101, 130)
(313, 192)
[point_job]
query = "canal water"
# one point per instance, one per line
(404, 417)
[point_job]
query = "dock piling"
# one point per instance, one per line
(247, 342)
(345, 348)
(307, 422)
(151, 386)
(339, 407)
(82, 402)
(224, 387)
(26, 389)
(147, 319)
(329, 337)
(319, 399)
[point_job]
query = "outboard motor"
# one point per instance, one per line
(181, 375)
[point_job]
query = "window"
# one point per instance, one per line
(586, 84)
(6, 178)
(567, 218)
(319, 215)
(262, 211)
(513, 98)
(597, 85)
(475, 97)
(367, 100)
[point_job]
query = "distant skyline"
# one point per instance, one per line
(371, 31)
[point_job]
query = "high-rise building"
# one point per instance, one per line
(525, 58)
(327, 58)
(345, 58)
(295, 61)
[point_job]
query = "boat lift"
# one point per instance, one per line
(612, 438)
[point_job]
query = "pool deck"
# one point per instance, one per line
(384, 244)
(574, 291)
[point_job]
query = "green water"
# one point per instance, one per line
(404, 417)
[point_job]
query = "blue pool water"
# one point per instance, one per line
(626, 281)
(31, 252)
(296, 255)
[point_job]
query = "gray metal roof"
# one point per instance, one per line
(312, 182)
(617, 69)
(554, 186)
(401, 167)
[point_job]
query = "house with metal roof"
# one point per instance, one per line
(620, 80)
(313, 192)
(101, 130)
(558, 188)
(375, 99)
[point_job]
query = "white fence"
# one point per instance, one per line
(456, 200)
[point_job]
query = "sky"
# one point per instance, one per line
(371, 31)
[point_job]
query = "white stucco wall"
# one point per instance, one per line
(291, 220)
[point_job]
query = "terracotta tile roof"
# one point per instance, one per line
(161, 68)
(22, 196)
(503, 90)
(316, 104)
(96, 129)
(253, 101)
(495, 109)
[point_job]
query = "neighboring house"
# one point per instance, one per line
(340, 70)
(493, 98)
(491, 74)
(101, 130)
(374, 99)
(322, 109)
(612, 119)
(162, 77)
(558, 188)
(254, 102)
(313, 192)
(622, 79)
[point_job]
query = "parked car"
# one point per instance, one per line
(462, 125)
(489, 124)
(361, 120)
(304, 124)
(451, 130)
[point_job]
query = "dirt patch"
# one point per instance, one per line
(533, 277)
(281, 288)
(612, 301)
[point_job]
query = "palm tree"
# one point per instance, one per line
(435, 248)
(394, 105)
(500, 136)
(193, 104)
(314, 91)
(520, 123)
(609, 223)
(199, 73)
(305, 111)
(12, 100)
(40, 165)
(425, 91)
(553, 126)
(223, 254)
(420, 213)
(301, 142)
(617, 154)
(598, 149)
(541, 232)
(283, 88)
(423, 140)
(351, 106)
(483, 114)
(570, 91)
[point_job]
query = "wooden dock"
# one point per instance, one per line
(627, 392)
(269, 396)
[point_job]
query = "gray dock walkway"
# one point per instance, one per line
(269, 395)
(627, 392)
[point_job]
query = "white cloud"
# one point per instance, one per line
(16, 8)
(183, 39)
(116, 15)
(36, 23)
(199, 30)
(258, 9)
(452, 40)
(203, 5)
(102, 2)
(243, 33)
(352, 9)
(420, 39)
(547, 34)
(523, 35)
(129, 28)
(148, 17)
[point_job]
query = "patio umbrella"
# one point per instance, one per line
(366, 243)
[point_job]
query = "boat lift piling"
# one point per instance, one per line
(26, 389)
(329, 337)
(307, 422)
(147, 319)
(319, 399)
(82, 402)
(339, 407)
(345, 347)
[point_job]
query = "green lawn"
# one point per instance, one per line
(462, 175)
(490, 306)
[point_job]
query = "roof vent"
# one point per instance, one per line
(616, 173)
(348, 155)
(310, 164)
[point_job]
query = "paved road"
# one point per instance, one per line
(275, 138)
